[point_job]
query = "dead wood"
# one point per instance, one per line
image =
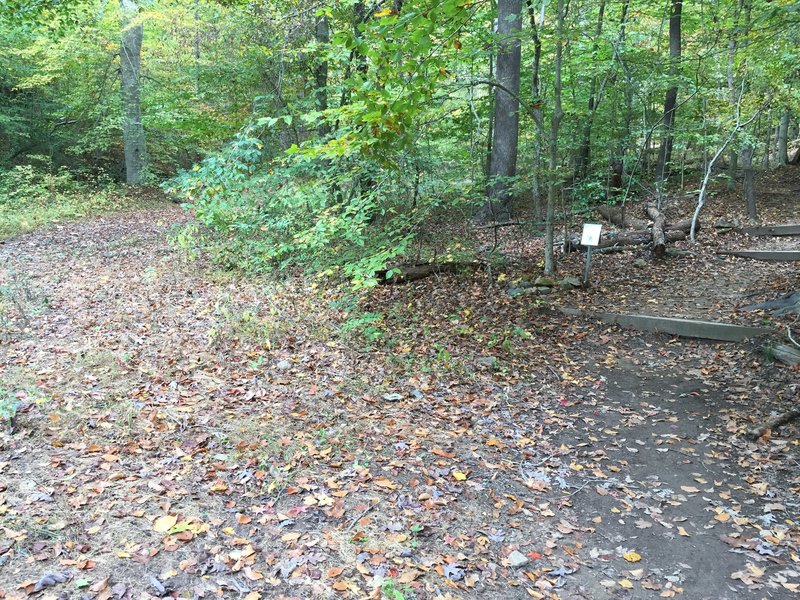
(620, 218)
(659, 240)
(409, 273)
(790, 303)
(774, 423)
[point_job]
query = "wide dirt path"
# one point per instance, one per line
(186, 434)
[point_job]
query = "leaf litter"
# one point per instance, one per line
(183, 433)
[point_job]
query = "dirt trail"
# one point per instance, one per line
(186, 434)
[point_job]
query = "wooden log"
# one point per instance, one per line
(409, 273)
(775, 230)
(788, 355)
(659, 240)
(614, 214)
(709, 330)
(682, 225)
(767, 255)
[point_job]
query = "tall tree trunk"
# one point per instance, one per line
(130, 88)
(555, 124)
(323, 37)
(749, 184)
(536, 103)
(767, 141)
(196, 47)
(584, 156)
(503, 160)
(732, 46)
(783, 137)
(671, 98)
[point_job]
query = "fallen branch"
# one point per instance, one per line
(773, 423)
(406, 274)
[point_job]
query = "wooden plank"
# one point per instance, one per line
(787, 354)
(709, 330)
(773, 230)
(768, 255)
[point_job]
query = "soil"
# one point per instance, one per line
(183, 432)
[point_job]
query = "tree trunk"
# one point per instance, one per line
(671, 98)
(555, 124)
(130, 88)
(322, 34)
(732, 46)
(621, 147)
(197, 47)
(749, 185)
(503, 159)
(536, 103)
(767, 142)
(783, 137)
(584, 156)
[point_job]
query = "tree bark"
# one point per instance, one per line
(615, 215)
(130, 88)
(555, 124)
(732, 46)
(749, 183)
(659, 238)
(505, 136)
(584, 156)
(536, 103)
(323, 37)
(671, 98)
(783, 138)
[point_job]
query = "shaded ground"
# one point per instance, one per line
(186, 434)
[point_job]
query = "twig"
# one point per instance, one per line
(360, 516)
(791, 339)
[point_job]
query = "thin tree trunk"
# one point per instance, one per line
(749, 185)
(618, 162)
(505, 137)
(536, 102)
(783, 137)
(671, 98)
(555, 124)
(584, 156)
(196, 47)
(732, 46)
(767, 142)
(322, 34)
(130, 88)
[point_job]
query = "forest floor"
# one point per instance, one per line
(185, 433)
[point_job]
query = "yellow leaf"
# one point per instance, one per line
(459, 475)
(682, 531)
(722, 517)
(165, 523)
(632, 556)
(253, 596)
(625, 583)
(689, 489)
(383, 13)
